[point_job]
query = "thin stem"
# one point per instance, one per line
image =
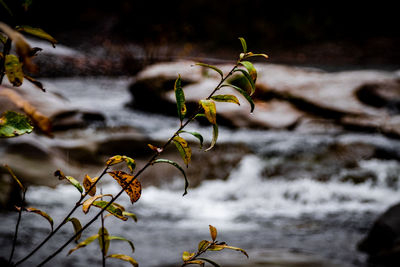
(198, 253)
(149, 163)
(64, 220)
(103, 249)
(17, 227)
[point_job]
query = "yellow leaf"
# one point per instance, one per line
(14, 71)
(87, 183)
(124, 258)
(103, 235)
(118, 159)
(184, 149)
(15, 177)
(84, 243)
(187, 255)
(41, 213)
(210, 110)
(114, 160)
(89, 202)
(129, 183)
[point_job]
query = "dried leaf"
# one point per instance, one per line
(38, 118)
(218, 247)
(211, 67)
(226, 98)
(41, 213)
(154, 148)
(117, 212)
(250, 54)
(199, 262)
(180, 99)
(37, 32)
(35, 82)
(213, 232)
(103, 234)
(124, 258)
(129, 183)
(14, 124)
(178, 167)
(14, 176)
(114, 160)
(77, 227)
(210, 261)
(89, 202)
(84, 243)
(88, 183)
(13, 70)
(184, 149)
(209, 110)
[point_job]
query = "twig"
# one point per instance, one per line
(17, 226)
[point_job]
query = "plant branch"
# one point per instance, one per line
(6, 51)
(149, 163)
(64, 220)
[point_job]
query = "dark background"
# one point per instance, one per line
(329, 32)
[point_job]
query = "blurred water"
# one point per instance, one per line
(250, 208)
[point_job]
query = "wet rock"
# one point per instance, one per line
(382, 242)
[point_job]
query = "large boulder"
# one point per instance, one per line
(382, 244)
(286, 97)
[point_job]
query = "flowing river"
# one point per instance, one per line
(291, 201)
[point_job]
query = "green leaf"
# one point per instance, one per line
(41, 213)
(124, 258)
(75, 183)
(14, 71)
(180, 99)
(117, 212)
(210, 261)
(211, 67)
(184, 149)
(250, 68)
(209, 110)
(15, 177)
(111, 237)
(103, 234)
(132, 215)
(244, 45)
(218, 247)
(6, 7)
(249, 78)
(226, 98)
(243, 93)
(84, 243)
(187, 255)
(14, 124)
(178, 167)
(215, 137)
(77, 227)
(195, 134)
(37, 32)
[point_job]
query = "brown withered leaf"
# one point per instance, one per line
(40, 120)
(87, 183)
(134, 189)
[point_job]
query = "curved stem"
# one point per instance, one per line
(149, 163)
(63, 221)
